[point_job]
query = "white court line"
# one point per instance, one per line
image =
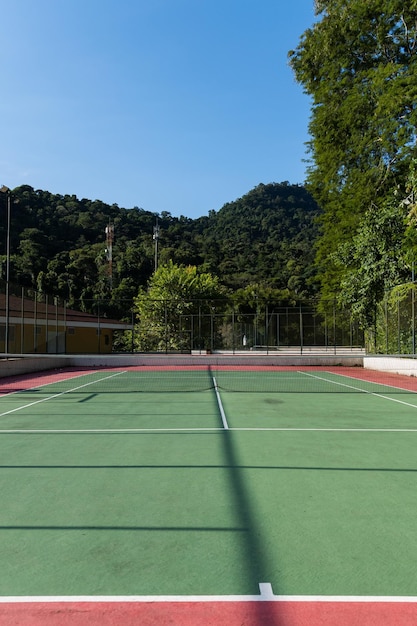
(61, 393)
(335, 430)
(370, 393)
(98, 431)
(57, 431)
(220, 405)
(7, 394)
(373, 382)
(266, 594)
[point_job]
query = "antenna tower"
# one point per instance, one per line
(156, 230)
(109, 250)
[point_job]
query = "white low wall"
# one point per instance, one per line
(215, 359)
(395, 365)
(16, 366)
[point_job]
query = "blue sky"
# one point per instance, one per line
(169, 105)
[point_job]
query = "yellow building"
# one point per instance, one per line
(30, 326)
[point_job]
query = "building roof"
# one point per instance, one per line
(34, 311)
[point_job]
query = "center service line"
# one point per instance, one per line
(220, 405)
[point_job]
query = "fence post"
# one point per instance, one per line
(413, 328)
(398, 325)
(133, 331)
(166, 326)
(65, 326)
(56, 325)
(277, 328)
(98, 327)
(233, 329)
(22, 324)
(35, 320)
(46, 324)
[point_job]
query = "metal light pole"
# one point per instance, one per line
(6, 190)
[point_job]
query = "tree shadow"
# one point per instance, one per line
(254, 554)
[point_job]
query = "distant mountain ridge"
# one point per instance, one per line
(58, 243)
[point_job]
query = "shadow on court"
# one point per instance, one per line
(254, 556)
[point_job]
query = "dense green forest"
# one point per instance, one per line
(263, 240)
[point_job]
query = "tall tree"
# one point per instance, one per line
(359, 65)
(163, 310)
(374, 260)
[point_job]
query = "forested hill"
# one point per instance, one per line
(267, 236)
(58, 243)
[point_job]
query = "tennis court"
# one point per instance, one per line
(256, 495)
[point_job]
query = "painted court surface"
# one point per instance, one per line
(246, 496)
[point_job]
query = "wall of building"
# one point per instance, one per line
(55, 339)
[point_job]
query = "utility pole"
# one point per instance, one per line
(109, 251)
(156, 230)
(6, 190)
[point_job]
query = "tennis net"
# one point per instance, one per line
(167, 374)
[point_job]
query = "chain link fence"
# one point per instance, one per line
(394, 331)
(221, 325)
(34, 322)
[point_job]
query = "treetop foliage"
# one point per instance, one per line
(358, 64)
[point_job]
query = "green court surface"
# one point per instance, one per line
(143, 488)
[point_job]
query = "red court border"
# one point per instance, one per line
(260, 613)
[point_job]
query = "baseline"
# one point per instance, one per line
(257, 610)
